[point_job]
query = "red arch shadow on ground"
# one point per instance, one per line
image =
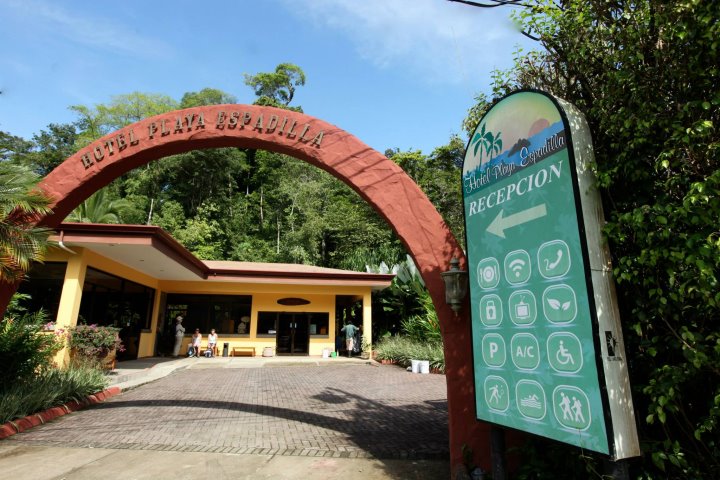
(378, 180)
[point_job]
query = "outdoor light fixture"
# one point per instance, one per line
(455, 285)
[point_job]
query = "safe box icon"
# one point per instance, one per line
(491, 310)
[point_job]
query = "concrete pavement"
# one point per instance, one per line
(26, 462)
(279, 417)
(133, 373)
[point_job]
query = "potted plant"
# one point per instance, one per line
(366, 348)
(95, 343)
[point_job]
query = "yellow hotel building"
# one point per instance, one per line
(139, 278)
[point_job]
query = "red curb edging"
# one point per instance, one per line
(22, 424)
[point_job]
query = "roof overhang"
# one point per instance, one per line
(154, 252)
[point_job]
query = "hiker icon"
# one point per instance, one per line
(571, 407)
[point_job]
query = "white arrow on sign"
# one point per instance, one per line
(500, 224)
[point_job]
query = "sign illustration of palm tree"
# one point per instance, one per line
(487, 142)
(493, 144)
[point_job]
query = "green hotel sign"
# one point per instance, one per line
(536, 340)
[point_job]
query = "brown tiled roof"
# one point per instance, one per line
(163, 242)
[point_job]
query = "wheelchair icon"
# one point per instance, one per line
(563, 356)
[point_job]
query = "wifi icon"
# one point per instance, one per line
(517, 267)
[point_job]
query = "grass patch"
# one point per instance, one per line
(48, 389)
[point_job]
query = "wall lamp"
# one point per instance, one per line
(456, 285)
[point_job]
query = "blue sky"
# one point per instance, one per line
(394, 73)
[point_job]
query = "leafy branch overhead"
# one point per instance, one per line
(21, 242)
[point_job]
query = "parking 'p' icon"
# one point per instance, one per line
(494, 351)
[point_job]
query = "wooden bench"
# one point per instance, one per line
(203, 348)
(243, 351)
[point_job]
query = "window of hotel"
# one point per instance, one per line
(114, 301)
(227, 314)
(267, 323)
(319, 323)
(44, 284)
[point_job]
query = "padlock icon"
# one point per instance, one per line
(490, 310)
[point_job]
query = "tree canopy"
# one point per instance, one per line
(276, 88)
(241, 204)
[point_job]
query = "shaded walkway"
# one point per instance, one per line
(349, 410)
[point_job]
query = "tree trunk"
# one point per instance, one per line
(149, 220)
(278, 235)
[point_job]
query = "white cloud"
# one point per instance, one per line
(103, 33)
(445, 42)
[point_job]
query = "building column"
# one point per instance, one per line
(148, 340)
(70, 299)
(367, 322)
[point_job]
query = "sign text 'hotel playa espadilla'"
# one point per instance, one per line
(548, 349)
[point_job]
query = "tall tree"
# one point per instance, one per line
(52, 146)
(94, 122)
(206, 96)
(277, 88)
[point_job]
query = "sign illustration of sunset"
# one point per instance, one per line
(505, 142)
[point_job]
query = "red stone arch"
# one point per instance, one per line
(379, 181)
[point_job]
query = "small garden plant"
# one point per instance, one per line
(29, 380)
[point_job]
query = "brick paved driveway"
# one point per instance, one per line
(334, 411)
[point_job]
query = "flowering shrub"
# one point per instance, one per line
(93, 340)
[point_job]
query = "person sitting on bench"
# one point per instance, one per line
(212, 342)
(196, 340)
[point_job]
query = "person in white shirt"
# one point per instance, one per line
(196, 340)
(212, 342)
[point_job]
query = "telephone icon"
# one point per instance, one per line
(554, 259)
(553, 265)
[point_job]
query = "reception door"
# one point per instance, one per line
(293, 334)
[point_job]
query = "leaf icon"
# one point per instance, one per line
(554, 303)
(566, 305)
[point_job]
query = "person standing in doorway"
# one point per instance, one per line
(179, 334)
(349, 331)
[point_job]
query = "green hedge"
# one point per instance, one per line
(401, 350)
